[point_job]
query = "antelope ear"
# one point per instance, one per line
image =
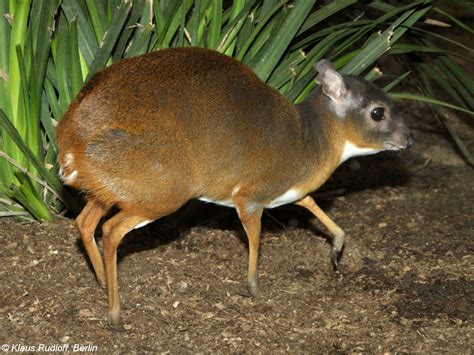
(331, 81)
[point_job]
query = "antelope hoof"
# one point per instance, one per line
(253, 288)
(335, 255)
(115, 323)
(102, 283)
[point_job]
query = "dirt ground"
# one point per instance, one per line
(405, 283)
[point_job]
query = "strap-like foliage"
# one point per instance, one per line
(48, 49)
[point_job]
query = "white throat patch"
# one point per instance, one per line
(350, 150)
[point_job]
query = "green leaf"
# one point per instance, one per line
(353, 37)
(239, 7)
(382, 6)
(323, 13)
(38, 54)
(265, 33)
(62, 63)
(464, 81)
(373, 74)
(142, 34)
(326, 31)
(5, 32)
(23, 106)
(52, 99)
(288, 69)
(215, 24)
(52, 180)
(6, 175)
(302, 87)
(267, 58)
(401, 48)
(173, 15)
(395, 82)
(262, 22)
(87, 41)
(179, 42)
(440, 37)
(321, 49)
(75, 61)
(434, 74)
(455, 137)
(50, 130)
(379, 45)
(454, 19)
(18, 38)
(111, 35)
(231, 30)
(159, 17)
(194, 23)
(97, 17)
(27, 195)
(445, 122)
(408, 96)
(419, 49)
(130, 26)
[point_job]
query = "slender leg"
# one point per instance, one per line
(113, 232)
(250, 216)
(86, 223)
(336, 231)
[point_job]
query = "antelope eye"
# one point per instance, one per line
(378, 114)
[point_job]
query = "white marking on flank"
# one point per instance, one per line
(70, 178)
(142, 224)
(351, 150)
(290, 196)
(235, 190)
(217, 202)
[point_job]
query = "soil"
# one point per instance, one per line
(405, 281)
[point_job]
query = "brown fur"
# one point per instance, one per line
(184, 106)
(151, 132)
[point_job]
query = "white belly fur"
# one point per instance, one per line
(289, 196)
(217, 202)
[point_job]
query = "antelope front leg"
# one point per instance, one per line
(336, 231)
(251, 216)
